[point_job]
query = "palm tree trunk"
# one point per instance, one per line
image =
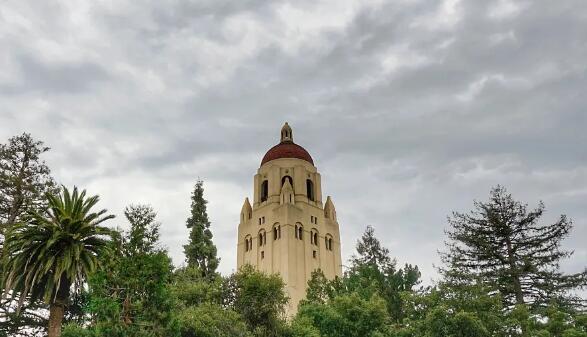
(57, 308)
(56, 312)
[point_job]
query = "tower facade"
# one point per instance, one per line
(288, 229)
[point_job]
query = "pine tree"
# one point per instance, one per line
(501, 243)
(200, 252)
(370, 252)
(24, 181)
(373, 270)
(144, 230)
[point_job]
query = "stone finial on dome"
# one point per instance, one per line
(286, 133)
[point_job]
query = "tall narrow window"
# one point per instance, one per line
(314, 236)
(310, 189)
(248, 244)
(328, 242)
(300, 232)
(262, 238)
(264, 190)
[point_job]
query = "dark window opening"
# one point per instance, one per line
(262, 255)
(262, 238)
(310, 189)
(300, 232)
(264, 190)
(314, 254)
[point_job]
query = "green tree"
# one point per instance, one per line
(200, 250)
(347, 315)
(502, 243)
(259, 298)
(24, 181)
(373, 270)
(192, 289)
(54, 250)
(211, 320)
(144, 230)
(129, 295)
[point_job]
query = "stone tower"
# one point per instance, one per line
(289, 229)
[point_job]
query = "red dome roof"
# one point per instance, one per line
(287, 149)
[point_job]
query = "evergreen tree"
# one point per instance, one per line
(370, 252)
(502, 243)
(373, 270)
(24, 181)
(200, 252)
(144, 230)
(129, 295)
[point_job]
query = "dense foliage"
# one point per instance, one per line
(24, 181)
(53, 251)
(500, 277)
(504, 245)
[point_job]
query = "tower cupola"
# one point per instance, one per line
(287, 148)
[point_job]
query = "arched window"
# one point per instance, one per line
(248, 243)
(298, 231)
(262, 238)
(276, 232)
(314, 236)
(310, 189)
(288, 178)
(328, 242)
(264, 190)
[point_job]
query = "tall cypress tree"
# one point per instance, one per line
(200, 252)
(501, 243)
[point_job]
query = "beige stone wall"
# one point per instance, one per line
(289, 207)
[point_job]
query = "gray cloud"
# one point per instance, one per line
(411, 109)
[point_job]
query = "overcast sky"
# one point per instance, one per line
(411, 108)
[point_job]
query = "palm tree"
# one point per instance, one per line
(54, 250)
